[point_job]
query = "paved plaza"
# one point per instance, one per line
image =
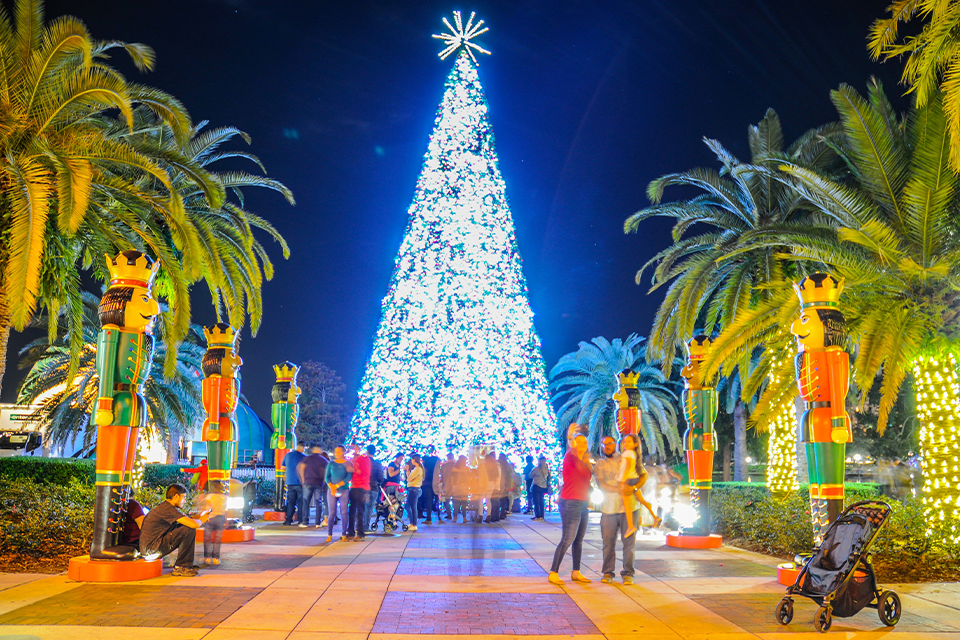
(442, 581)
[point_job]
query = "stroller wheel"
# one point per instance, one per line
(888, 608)
(405, 527)
(784, 612)
(823, 620)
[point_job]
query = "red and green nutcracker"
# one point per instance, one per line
(284, 414)
(221, 392)
(124, 356)
(627, 398)
(823, 377)
(699, 440)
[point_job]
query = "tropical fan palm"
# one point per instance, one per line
(933, 57)
(585, 381)
(64, 406)
(893, 236)
(711, 278)
(54, 159)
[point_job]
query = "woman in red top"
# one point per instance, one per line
(574, 508)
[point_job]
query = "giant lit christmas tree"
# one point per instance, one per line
(456, 360)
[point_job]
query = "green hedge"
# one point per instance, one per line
(59, 471)
(42, 520)
(164, 475)
(749, 516)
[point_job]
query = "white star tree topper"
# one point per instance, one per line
(461, 36)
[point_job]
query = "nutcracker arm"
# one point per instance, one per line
(211, 404)
(839, 372)
(107, 348)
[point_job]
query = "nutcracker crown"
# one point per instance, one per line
(698, 348)
(286, 372)
(819, 290)
(132, 269)
(628, 379)
(220, 335)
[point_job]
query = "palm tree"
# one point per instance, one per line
(53, 84)
(713, 278)
(585, 381)
(892, 235)
(64, 405)
(933, 63)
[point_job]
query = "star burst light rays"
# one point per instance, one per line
(460, 36)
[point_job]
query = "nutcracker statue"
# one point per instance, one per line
(823, 377)
(221, 392)
(627, 398)
(699, 401)
(284, 414)
(124, 356)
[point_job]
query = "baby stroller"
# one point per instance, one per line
(839, 576)
(390, 511)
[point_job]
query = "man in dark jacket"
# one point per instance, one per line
(376, 481)
(312, 470)
(429, 498)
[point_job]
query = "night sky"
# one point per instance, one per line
(589, 101)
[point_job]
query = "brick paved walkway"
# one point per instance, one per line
(446, 580)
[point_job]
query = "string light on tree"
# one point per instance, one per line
(782, 445)
(456, 360)
(938, 400)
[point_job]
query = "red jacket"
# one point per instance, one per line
(576, 478)
(361, 472)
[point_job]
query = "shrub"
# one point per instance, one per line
(44, 520)
(59, 471)
(164, 475)
(902, 552)
(265, 493)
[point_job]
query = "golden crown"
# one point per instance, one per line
(819, 290)
(628, 378)
(286, 372)
(132, 269)
(220, 335)
(698, 347)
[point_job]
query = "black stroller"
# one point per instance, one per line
(839, 576)
(250, 498)
(389, 510)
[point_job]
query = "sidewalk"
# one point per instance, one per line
(447, 580)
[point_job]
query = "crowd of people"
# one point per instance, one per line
(350, 485)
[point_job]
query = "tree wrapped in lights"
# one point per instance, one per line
(782, 445)
(456, 360)
(938, 399)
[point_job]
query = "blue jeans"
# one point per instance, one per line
(294, 501)
(413, 494)
(612, 524)
(573, 519)
(373, 497)
(312, 495)
(539, 493)
(344, 497)
(358, 501)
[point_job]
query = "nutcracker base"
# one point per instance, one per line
(83, 569)
(274, 516)
(243, 534)
(787, 573)
(712, 541)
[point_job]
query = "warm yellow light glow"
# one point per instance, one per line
(937, 378)
(782, 446)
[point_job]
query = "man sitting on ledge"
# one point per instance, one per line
(167, 528)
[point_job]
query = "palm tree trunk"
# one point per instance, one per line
(4, 333)
(740, 473)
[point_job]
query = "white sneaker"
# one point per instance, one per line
(324, 523)
(412, 528)
(302, 525)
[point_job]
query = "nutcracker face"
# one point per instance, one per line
(141, 311)
(809, 330)
(293, 394)
(230, 364)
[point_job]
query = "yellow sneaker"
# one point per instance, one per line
(554, 578)
(576, 576)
